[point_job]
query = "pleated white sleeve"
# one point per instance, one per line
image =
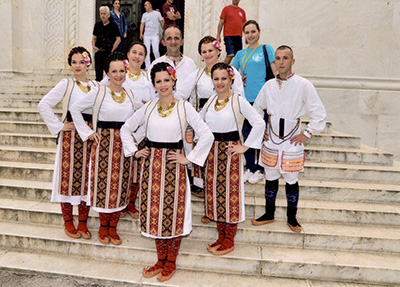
(130, 126)
(46, 104)
(199, 154)
(76, 113)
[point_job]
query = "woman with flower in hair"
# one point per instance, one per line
(224, 114)
(110, 172)
(198, 87)
(165, 203)
(70, 177)
(136, 80)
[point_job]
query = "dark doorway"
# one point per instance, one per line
(133, 11)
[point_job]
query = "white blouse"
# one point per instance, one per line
(168, 129)
(205, 86)
(142, 87)
(223, 121)
(110, 111)
(55, 96)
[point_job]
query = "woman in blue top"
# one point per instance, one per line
(251, 63)
(119, 18)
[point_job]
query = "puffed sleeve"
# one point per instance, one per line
(199, 154)
(254, 140)
(238, 83)
(186, 87)
(315, 111)
(260, 104)
(128, 129)
(76, 110)
(105, 81)
(46, 104)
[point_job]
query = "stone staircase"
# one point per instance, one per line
(349, 209)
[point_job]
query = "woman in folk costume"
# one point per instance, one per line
(110, 171)
(224, 113)
(136, 80)
(165, 202)
(70, 177)
(198, 87)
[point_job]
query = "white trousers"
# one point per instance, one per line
(272, 174)
(152, 41)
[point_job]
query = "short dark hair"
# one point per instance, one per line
(171, 26)
(137, 43)
(205, 40)
(77, 50)
(159, 67)
(116, 0)
(249, 22)
(221, 66)
(284, 47)
(113, 57)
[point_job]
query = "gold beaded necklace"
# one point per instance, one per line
(219, 105)
(134, 77)
(82, 87)
(118, 99)
(165, 112)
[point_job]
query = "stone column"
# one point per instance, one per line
(54, 34)
(6, 36)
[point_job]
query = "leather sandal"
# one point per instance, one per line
(72, 235)
(104, 240)
(85, 234)
(115, 240)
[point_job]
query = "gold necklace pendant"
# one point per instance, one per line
(208, 72)
(220, 105)
(82, 87)
(165, 112)
(118, 99)
(134, 77)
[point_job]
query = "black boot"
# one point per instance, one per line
(292, 196)
(271, 190)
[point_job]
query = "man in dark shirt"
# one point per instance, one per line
(170, 13)
(106, 39)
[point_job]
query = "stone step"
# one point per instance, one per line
(24, 115)
(123, 274)
(28, 154)
(309, 189)
(346, 172)
(19, 103)
(26, 171)
(23, 127)
(359, 237)
(245, 259)
(32, 140)
(336, 139)
(363, 155)
(24, 91)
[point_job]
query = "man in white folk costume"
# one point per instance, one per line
(173, 40)
(286, 99)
